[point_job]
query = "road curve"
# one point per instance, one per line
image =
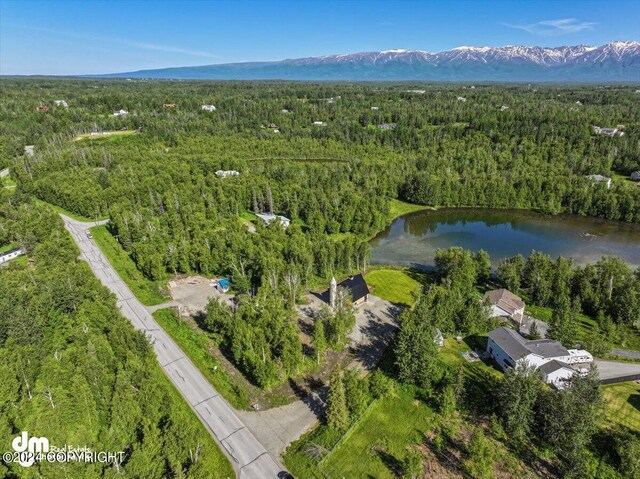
(249, 458)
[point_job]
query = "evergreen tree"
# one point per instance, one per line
(319, 340)
(516, 398)
(569, 419)
(533, 331)
(337, 411)
(480, 461)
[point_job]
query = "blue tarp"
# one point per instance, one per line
(224, 283)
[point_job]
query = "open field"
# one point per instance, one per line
(623, 405)
(106, 134)
(7, 182)
(7, 247)
(399, 208)
(394, 285)
(147, 291)
(390, 425)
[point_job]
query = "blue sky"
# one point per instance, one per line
(74, 37)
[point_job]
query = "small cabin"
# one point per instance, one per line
(226, 173)
(356, 286)
(267, 218)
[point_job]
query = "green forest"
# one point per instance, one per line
(72, 369)
(380, 149)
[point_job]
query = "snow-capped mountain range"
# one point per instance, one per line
(616, 61)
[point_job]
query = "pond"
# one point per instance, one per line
(412, 239)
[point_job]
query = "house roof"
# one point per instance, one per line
(11, 251)
(504, 299)
(518, 347)
(553, 366)
(356, 285)
(510, 342)
(547, 348)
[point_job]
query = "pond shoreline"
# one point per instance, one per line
(411, 239)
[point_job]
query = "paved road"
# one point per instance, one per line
(248, 457)
(625, 353)
(616, 369)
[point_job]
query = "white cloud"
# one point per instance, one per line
(129, 43)
(562, 26)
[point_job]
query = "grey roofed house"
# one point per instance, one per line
(635, 176)
(553, 366)
(547, 348)
(387, 126)
(267, 218)
(518, 347)
(510, 342)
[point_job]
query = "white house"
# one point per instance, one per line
(269, 217)
(375, 108)
(29, 150)
(505, 304)
(208, 107)
(416, 91)
(556, 374)
(319, 123)
(508, 348)
(462, 99)
(120, 113)
(226, 173)
(608, 131)
(504, 107)
(600, 179)
(61, 103)
(11, 254)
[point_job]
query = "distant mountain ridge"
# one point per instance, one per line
(615, 61)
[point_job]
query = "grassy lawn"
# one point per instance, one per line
(196, 346)
(394, 285)
(145, 290)
(107, 134)
(399, 208)
(7, 247)
(378, 441)
(217, 462)
(623, 405)
(7, 182)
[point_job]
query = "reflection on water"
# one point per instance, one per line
(413, 239)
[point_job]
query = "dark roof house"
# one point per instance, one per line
(357, 287)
